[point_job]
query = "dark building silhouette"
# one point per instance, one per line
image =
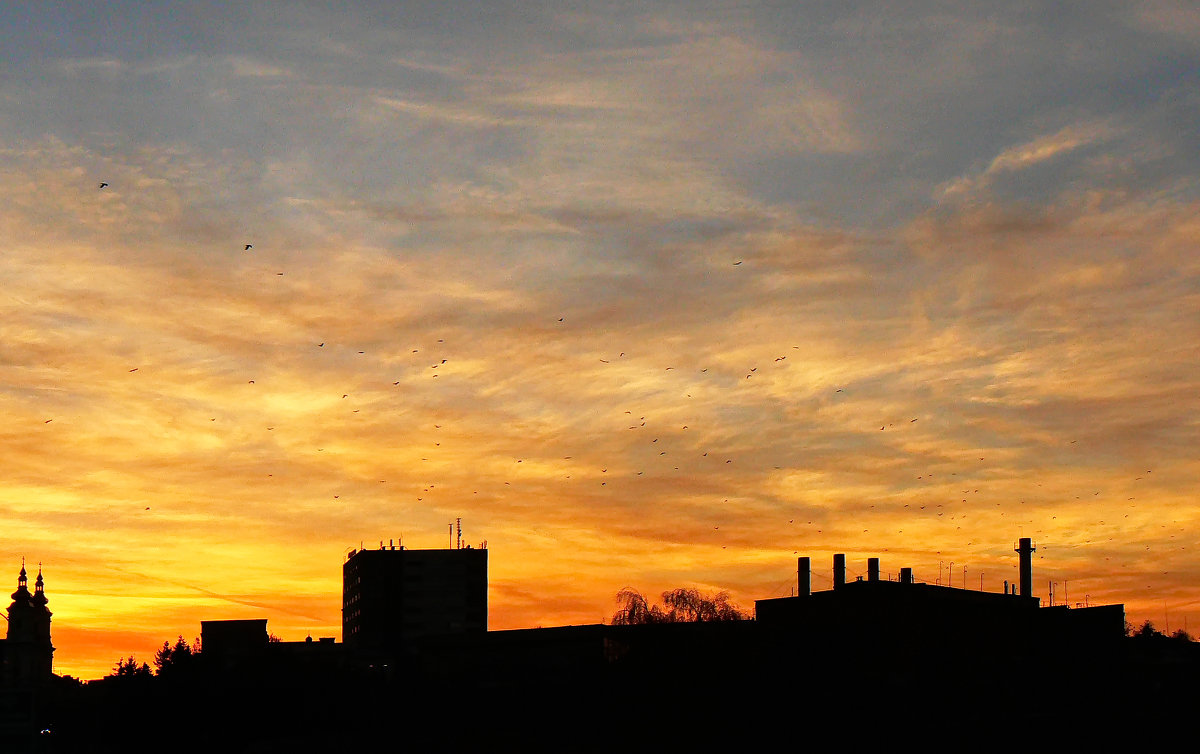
(231, 644)
(394, 595)
(245, 647)
(27, 677)
(27, 655)
(912, 613)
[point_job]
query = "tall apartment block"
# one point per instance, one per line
(393, 594)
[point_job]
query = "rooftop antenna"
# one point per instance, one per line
(451, 527)
(458, 523)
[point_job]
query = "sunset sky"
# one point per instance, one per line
(648, 294)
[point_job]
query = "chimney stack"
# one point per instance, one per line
(906, 576)
(839, 571)
(803, 577)
(872, 569)
(1026, 549)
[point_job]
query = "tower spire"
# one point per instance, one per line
(29, 655)
(39, 589)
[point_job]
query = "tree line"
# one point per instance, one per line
(169, 660)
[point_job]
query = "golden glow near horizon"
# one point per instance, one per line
(656, 302)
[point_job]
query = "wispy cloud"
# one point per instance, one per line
(77, 66)
(1029, 154)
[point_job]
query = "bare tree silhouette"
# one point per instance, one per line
(678, 606)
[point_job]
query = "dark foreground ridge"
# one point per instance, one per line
(871, 661)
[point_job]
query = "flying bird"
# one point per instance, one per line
(103, 184)
(735, 264)
(249, 246)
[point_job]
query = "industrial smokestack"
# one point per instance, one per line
(872, 569)
(839, 571)
(1026, 549)
(803, 577)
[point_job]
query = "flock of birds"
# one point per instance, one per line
(667, 452)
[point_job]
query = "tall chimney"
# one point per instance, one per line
(803, 577)
(872, 569)
(839, 571)
(1026, 549)
(906, 576)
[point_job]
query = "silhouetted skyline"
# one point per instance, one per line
(419, 668)
(654, 295)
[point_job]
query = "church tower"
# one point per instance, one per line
(28, 653)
